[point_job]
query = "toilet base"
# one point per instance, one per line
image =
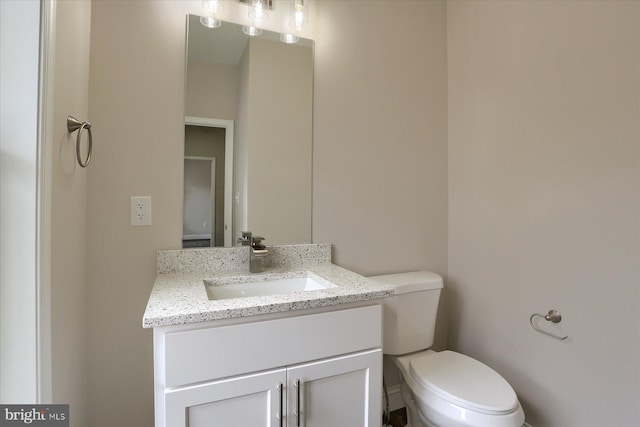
(414, 417)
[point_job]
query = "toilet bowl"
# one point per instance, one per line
(439, 389)
(453, 390)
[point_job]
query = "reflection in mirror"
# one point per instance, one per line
(248, 136)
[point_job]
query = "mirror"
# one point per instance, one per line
(248, 136)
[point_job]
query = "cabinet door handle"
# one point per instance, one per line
(297, 411)
(281, 404)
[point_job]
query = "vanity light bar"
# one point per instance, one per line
(267, 3)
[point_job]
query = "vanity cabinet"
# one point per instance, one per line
(310, 370)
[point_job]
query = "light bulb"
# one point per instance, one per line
(288, 38)
(250, 30)
(210, 22)
(213, 6)
(258, 12)
(298, 15)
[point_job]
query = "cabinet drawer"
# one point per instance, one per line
(204, 354)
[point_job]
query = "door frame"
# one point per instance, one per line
(227, 125)
(212, 195)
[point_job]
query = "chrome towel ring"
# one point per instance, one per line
(74, 124)
(552, 316)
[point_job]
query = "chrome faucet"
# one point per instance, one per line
(257, 251)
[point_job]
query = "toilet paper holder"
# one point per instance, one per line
(552, 316)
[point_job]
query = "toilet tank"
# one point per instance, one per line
(410, 314)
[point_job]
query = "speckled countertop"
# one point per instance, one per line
(179, 294)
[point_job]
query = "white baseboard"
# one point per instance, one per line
(196, 236)
(395, 397)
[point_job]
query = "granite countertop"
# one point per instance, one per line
(179, 294)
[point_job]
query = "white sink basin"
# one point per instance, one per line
(251, 286)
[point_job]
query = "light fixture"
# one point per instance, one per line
(212, 7)
(258, 11)
(288, 38)
(250, 30)
(297, 20)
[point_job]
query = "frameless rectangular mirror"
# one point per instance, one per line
(248, 136)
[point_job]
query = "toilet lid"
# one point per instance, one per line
(465, 382)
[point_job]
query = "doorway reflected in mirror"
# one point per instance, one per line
(204, 185)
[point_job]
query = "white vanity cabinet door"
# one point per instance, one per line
(244, 401)
(339, 392)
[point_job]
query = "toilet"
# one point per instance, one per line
(439, 389)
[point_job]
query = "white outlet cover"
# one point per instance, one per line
(140, 210)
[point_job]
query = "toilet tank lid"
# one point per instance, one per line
(414, 281)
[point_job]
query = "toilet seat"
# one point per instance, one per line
(463, 381)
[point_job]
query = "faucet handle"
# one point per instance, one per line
(245, 239)
(256, 243)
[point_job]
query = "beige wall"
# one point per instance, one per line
(211, 90)
(137, 110)
(69, 314)
(544, 133)
(380, 135)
